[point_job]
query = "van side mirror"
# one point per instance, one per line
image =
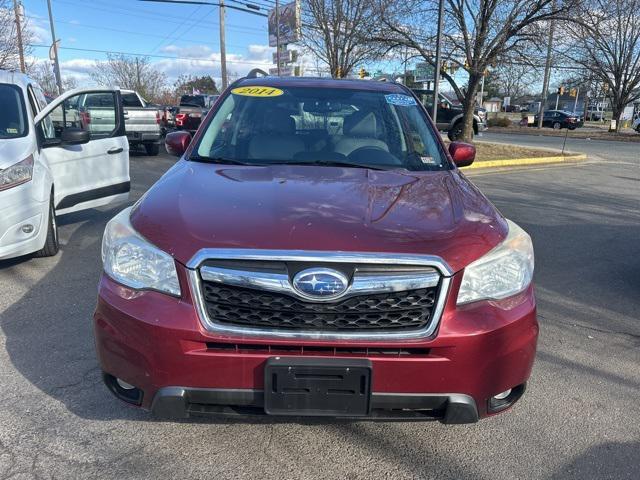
(74, 136)
(463, 154)
(177, 143)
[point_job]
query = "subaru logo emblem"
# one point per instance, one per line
(320, 283)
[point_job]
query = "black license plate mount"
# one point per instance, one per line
(316, 386)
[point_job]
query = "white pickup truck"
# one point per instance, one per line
(142, 122)
(52, 162)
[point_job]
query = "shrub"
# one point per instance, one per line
(499, 122)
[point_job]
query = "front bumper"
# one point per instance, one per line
(19, 208)
(157, 344)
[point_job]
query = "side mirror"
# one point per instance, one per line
(177, 143)
(463, 154)
(74, 136)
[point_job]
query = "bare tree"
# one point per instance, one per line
(9, 56)
(131, 73)
(337, 31)
(513, 79)
(606, 42)
(478, 33)
(42, 73)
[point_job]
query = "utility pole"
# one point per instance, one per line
(436, 76)
(18, 14)
(56, 63)
(547, 69)
(278, 36)
(223, 49)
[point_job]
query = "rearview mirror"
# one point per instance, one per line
(74, 136)
(177, 143)
(463, 154)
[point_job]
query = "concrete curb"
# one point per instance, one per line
(520, 162)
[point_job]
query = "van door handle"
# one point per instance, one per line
(114, 150)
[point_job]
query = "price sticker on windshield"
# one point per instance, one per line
(400, 100)
(257, 91)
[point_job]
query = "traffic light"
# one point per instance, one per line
(362, 73)
(444, 66)
(605, 87)
(573, 92)
(560, 90)
(339, 72)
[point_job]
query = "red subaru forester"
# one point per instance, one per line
(316, 252)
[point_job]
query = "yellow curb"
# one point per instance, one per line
(515, 162)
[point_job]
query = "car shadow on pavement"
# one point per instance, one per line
(605, 461)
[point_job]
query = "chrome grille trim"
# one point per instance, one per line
(195, 288)
(361, 284)
(320, 257)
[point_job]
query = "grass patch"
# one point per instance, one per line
(499, 151)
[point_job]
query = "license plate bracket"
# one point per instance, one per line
(316, 386)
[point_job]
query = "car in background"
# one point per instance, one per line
(192, 109)
(636, 124)
(142, 121)
(316, 251)
(53, 161)
(450, 116)
(558, 119)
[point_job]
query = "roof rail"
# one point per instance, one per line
(255, 72)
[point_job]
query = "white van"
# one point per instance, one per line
(53, 161)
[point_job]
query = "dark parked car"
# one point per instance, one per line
(316, 251)
(558, 119)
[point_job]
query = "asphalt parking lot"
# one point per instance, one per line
(578, 420)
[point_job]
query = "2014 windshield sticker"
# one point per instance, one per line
(400, 100)
(257, 91)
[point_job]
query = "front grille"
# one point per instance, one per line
(314, 350)
(246, 307)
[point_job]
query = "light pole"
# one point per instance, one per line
(223, 48)
(436, 75)
(18, 14)
(547, 70)
(56, 63)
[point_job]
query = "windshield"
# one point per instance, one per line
(13, 115)
(303, 125)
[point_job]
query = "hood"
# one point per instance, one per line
(14, 150)
(198, 205)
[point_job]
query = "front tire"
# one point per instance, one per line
(456, 132)
(152, 149)
(51, 245)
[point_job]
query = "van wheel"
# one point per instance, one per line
(456, 132)
(51, 245)
(152, 149)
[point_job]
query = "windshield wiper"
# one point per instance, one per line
(333, 163)
(218, 160)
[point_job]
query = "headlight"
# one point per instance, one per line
(502, 272)
(131, 260)
(16, 174)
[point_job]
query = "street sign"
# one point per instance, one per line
(289, 27)
(424, 72)
(286, 56)
(286, 71)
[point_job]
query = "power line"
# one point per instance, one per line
(143, 34)
(138, 54)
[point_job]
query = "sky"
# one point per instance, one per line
(179, 39)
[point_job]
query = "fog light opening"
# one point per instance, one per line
(27, 228)
(504, 400)
(123, 390)
(500, 396)
(124, 385)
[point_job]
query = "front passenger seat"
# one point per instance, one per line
(360, 129)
